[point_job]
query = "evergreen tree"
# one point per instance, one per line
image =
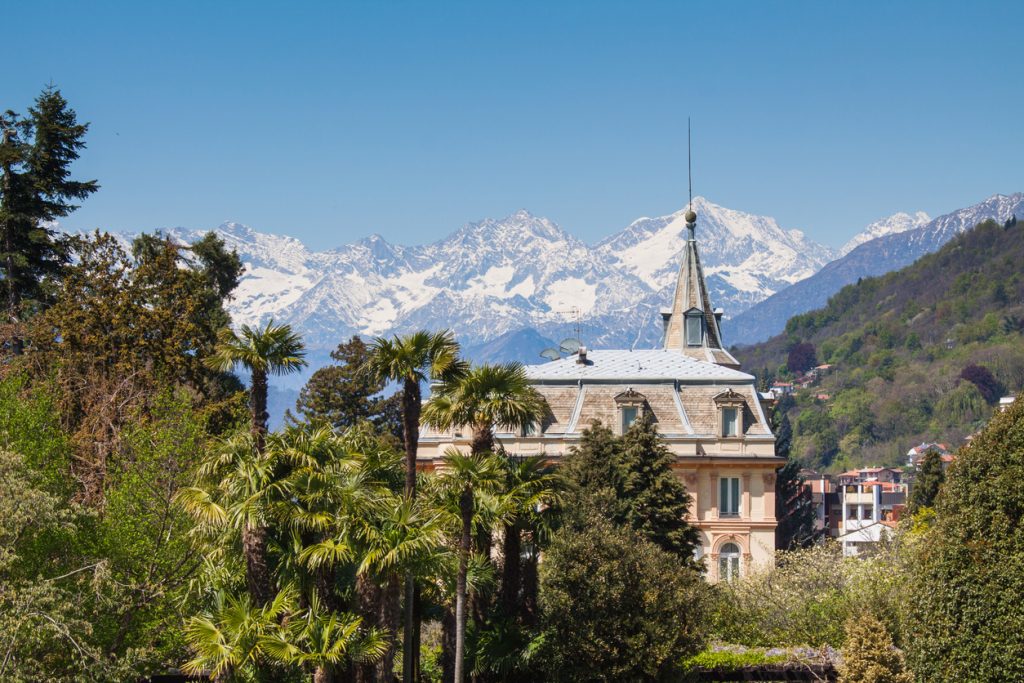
(929, 479)
(794, 507)
(36, 153)
(658, 502)
(343, 395)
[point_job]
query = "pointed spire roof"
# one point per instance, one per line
(691, 301)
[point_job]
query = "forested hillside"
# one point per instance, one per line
(919, 354)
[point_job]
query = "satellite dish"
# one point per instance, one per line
(570, 345)
(550, 354)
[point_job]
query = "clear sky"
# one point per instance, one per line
(330, 121)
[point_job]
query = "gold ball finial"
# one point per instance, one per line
(691, 216)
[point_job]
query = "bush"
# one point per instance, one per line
(965, 612)
(869, 655)
(616, 607)
(806, 598)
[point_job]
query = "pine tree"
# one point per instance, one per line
(658, 500)
(343, 395)
(928, 482)
(36, 153)
(794, 507)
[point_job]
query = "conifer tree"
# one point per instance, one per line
(36, 153)
(929, 480)
(869, 655)
(794, 507)
(658, 500)
(343, 395)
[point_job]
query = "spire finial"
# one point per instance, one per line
(691, 216)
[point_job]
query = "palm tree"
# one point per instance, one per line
(228, 638)
(234, 493)
(270, 350)
(411, 360)
(484, 397)
(467, 476)
(531, 489)
(324, 641)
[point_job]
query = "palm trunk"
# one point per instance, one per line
(411, 432)
(466, 509)
(483, 439)
(323, 675)
(259, 409)
(529, 584)
(389, 622)
(369, 599)
(511, 570)
(411, 406)
(257, 574)
(408, 626)
(448, 646)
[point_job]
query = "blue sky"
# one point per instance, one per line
(331, 121)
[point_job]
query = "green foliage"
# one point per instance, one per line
(630, 479)
(869, 655)
(730, 660)
(616, 607)
(896, 377)
(36, 153)
(964, 609)
(343, 395)
(808, 595)
(927, 483)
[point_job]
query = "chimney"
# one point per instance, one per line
(581, 356)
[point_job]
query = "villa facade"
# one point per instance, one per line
(708, 412)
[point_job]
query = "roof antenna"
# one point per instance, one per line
(689, 163)
(690, 216)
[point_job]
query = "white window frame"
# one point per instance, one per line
(730, 495)
(736, 416)
(729, 558)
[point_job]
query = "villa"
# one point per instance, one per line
(708, 412)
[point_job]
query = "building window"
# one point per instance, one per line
(730, 422)
(629, 415)
(694, 330)
(729, 562)
(728, 497)
(530, 429)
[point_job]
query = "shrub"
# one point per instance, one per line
(869, 655)
(806, 598)
(616, 607)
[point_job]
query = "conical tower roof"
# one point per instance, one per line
(692, 326)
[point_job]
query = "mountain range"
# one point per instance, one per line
(496, 277)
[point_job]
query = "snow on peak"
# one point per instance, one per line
(890, 225)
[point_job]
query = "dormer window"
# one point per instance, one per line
(730, 421)
(694, 327)
(730, 406)
(629, 416)
(630, 404)
(530, 429)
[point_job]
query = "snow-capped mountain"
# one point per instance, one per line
(496, 276)
(891, 225)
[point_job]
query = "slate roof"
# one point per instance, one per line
(636, 366)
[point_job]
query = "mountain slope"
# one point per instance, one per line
(899, 343)
(872, 258)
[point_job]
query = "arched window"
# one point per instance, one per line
(729, 562)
